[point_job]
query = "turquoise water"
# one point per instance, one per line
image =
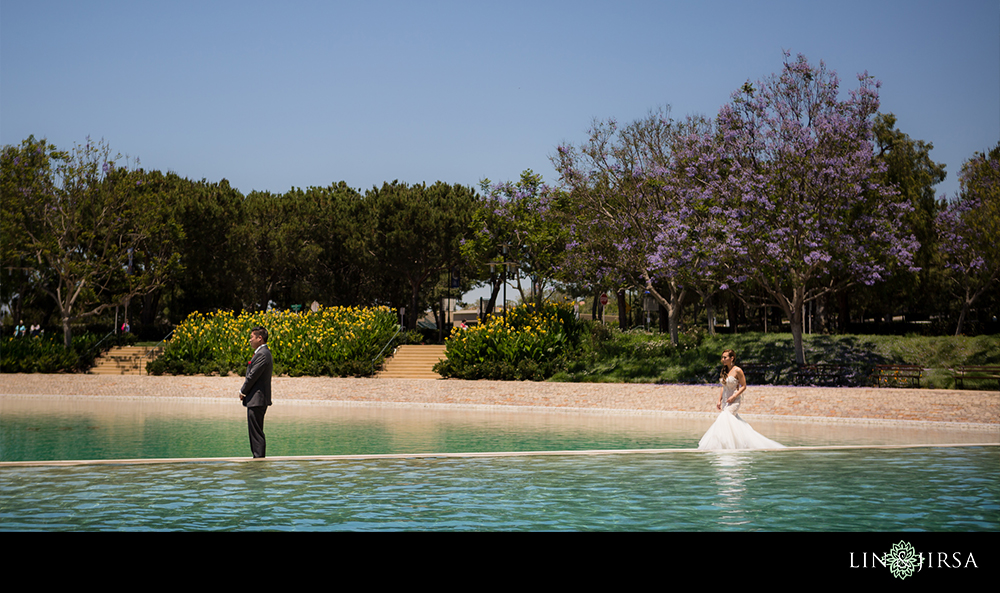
(926, 489)
(35, 429)
(145, 433)
(930, 489)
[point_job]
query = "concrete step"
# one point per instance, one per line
(413, 362)
(125, 360)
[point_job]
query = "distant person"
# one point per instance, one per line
(35, 329)
(126, 327)
(19, 331)
(256, 391)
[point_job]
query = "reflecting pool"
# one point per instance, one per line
(932, 489)
(926, 488)
(47, 428)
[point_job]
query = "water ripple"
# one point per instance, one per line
(842, 490)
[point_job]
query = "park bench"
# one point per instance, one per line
(897, 375)
(975, 372)
(822, 374)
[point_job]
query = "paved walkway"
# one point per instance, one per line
(885, 404)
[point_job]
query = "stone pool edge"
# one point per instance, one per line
(389, 456)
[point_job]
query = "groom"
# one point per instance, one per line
(256, 391)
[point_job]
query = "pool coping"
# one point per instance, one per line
(400, 456)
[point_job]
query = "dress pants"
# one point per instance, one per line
(255, 424)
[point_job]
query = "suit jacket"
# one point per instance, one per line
(257, 387)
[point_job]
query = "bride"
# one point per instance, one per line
(730, 431)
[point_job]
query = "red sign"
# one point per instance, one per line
(604, 298)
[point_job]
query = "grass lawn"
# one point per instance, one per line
(642, 357)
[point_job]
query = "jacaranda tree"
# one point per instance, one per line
(802, 187)
(619, 183)
(528, 218)
(690, 247)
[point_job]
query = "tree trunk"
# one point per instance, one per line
(67, 331)
(800, 357)
(844, 313)
(150, 304)
(967, 302)
(793, 312)
(411, 322)
(494, 293)
(674, 306)
(821, 317)
(709, 312)
(675, 321)
(520, 290)
(733, 316)
(438, 312)
(623, 321)
(795, 320)
(962, 315)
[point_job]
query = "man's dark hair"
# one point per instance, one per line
(261, 332)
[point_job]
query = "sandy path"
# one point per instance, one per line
(885, 404)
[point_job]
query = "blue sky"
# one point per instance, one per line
(272, 95)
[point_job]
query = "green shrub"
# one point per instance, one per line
(46, 354)
(637, 356)
(532, 343)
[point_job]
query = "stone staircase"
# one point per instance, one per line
(125, 360)
(413, 362)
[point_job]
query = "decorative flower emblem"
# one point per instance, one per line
(902, 560)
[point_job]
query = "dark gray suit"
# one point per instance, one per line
(257, 397)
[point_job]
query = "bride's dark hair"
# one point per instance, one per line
(725, 372)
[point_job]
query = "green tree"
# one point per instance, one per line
(74, 221)
(155, 255)
(338, 273)
(212, 264)
(529, 219)
(415, 232)
(969, 227)
(277, 246)
(27, 176)
(908, 167)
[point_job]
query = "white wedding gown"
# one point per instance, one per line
(732, 432)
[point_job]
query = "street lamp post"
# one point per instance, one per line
(507, 266)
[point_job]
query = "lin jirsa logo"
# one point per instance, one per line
(903, 560)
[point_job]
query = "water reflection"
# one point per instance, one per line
(40, 428)
(886, 490)
(733, 469)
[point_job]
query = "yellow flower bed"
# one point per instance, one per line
(330, 341)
